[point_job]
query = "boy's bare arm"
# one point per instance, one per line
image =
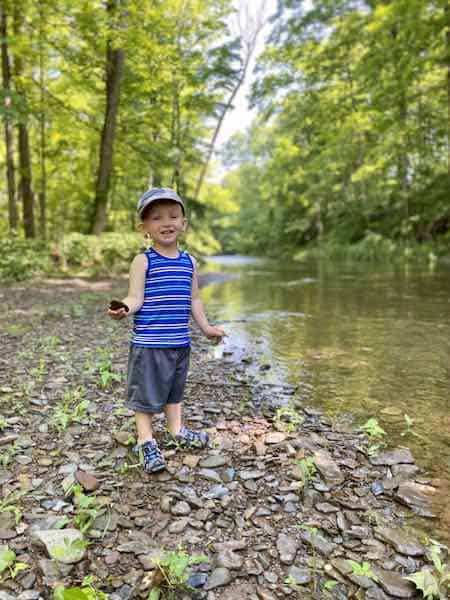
(198, 311)
(136, 285)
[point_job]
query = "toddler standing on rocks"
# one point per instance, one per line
(163, 292)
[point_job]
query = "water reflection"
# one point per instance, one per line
(356, 339)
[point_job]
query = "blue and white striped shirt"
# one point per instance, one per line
(163, 319)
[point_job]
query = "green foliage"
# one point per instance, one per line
(307, 468)
(373, 429)
(172, 573)
(432, 583)
(288, 419)
(362, 569)
(105, 369)
(69, 548)
(175, 85)
(10, 564)
(375, 433)
(23, 259)
(72, 408)
(343, 165)
(87, 591)
(87, 509)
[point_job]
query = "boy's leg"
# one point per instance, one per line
(143, 427)
(174, 416)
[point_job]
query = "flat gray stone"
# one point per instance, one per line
(402, 541)
(328, 468)
(210, 475)
(213, 461)
(247, 475)
(218, 578)
(300, 576)
(393, 457)
(417, 496)
(344, 568)
(229, 560)
(180, 509)
(317, 542)
(59, 544)
(394, 584)
(287, 548)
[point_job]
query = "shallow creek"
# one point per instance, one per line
(355, 340)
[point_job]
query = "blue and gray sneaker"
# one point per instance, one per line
(186, 438)
(150, 457)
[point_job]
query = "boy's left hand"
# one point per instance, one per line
(214, 333)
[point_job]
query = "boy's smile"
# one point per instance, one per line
(164, 221)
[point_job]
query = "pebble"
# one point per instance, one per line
(180, 509)
(287, 548)
(191, 460)
(218, 578)
(300, 576)
(178, 526)
(402, 541)
(210, 475)
(328, 468)
(417, 497)
(213, 461)
(229, 560)
(54, 539)
(393, 457)
(275, 438)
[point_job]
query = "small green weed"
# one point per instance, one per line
(8, 505)
(307, 468)
(287, 419)
(8, 454)
(17, 330)
(38, 373)
(10, 564)
(69, 548)
(375, 433)
(171, 574)
(329, 586)
(72, 408)
(409, 430)
(104, 367)
(362, 569)
(88, 508)
(86, 591)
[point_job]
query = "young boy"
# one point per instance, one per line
(163, 291)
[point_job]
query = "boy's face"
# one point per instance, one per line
(164, 221)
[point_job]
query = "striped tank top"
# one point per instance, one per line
(163, 319)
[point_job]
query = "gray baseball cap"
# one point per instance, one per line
(157, 194)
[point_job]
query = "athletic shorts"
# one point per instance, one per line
(156, 377)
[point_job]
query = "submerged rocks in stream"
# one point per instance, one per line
(276, 511)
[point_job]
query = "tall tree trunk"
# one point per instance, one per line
(217, 129)
(42, 128)
(25, 185)
(9, 132)
(114, 69)
(249, 31)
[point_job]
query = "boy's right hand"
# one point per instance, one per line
(117, 310)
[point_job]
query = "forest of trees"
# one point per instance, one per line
(352, 142)
(102, 98)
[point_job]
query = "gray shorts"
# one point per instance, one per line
(156, 377)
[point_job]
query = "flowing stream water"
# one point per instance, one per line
(355, 340)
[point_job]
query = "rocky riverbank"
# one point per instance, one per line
(282, 505)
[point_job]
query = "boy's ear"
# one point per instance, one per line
(140, 227)
(185, 224)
